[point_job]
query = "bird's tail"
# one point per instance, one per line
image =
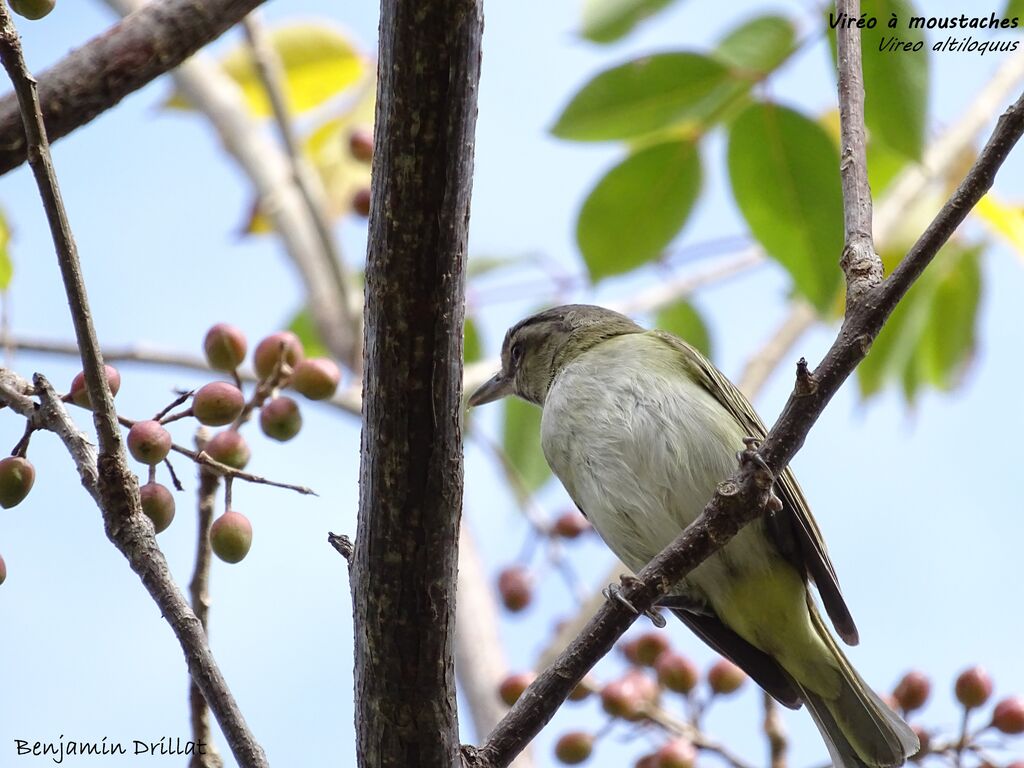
(857, 726)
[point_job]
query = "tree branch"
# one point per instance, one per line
(116, 488)
(94, 78)
(403, 573)
(745, 496)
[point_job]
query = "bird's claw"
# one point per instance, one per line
(613, 593)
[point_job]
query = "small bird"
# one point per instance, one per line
(640, 428)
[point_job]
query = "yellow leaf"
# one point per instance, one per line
(1005, 220)
(6, 267)
(319, 62)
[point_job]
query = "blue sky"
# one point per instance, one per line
(919, 508)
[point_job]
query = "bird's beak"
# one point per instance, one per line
(495, 388)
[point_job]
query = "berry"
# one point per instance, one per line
(271, 349)
(80, 395)
(515, 586)
(582, 690)
(16, 478)
(629, 696)
(725, 677)
(217, 403)
(231, 536)
(678, 753)
(361, 202)
(973, 687)
(649, 646)
(360, 144)
(229, 447)
(512, 687)
(32, 9)
(574, 747)
(570, 525)
(647, 761)
(1008, 716)
(676, 672)
(280, 419)
(225, 347)
(158, 504)
(317, 378)
(912, 691)
(3, 570)
(149, 442)
(924, 740)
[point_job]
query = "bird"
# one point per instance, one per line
(640, 428)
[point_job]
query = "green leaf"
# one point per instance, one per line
(682, 319)
(471, 347)
(1015, 8)
(896, 82)
(319, 62)
(605, 21)
(638, 208)
(930, 338)
(784, 171)
(645, 95)
(758, 46)
(302, 325)
(521, 443)
(6, 265)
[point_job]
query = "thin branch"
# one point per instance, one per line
(95, 77)
(271, 74)
(748, 493)
(199, 595)
(118, 495)
(775, 731)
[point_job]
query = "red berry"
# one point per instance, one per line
(158, 504)
(515, 585)
(678, 753)
(316, 377)
(225, 347)
(725, 677)
(229, 447)
(231, 536)
(973, 687)
(649, 646)
(16, 478)
(3, 570)
(570, 525)
(270, 350)
(676, 672)
(574, 747)
(361, 202)
(629, 696)
(646, 761)
(280, 419)
(512, 687)
(32, 9)
(1008, 716)
(912, 691)
(149, 442)
(360, 144)
(80, 395)
(583, 689)
(217, 403)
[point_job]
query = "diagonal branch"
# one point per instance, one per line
(747, 494)
(95, 77)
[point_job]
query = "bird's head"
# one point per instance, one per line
(537, 348)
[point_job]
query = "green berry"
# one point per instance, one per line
(16, 478)
(149, 442)
(280, 419)
(158, 504)
(231, 536)
(217, 403)
(225, 347)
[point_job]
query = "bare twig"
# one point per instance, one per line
(775, 731)
(117, 489)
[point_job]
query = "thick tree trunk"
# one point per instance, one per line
(404, 569)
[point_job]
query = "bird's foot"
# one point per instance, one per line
(684, 603)
(764, 477)
(613, 593)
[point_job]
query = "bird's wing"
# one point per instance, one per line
(795, 531)
(762, 668)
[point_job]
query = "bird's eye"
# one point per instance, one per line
(517, 352)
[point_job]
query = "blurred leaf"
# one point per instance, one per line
(521, 443)
(645, 95)
(319, 62)
(471, 347)
(302, 325)
(682, 319)
(638, 208)
(6, 265)
(785, 178)
(1015, 8)
(897, 82)
(478, 265)
(758, 46)
(605, 21)
(930, 338)
(1007, 221)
